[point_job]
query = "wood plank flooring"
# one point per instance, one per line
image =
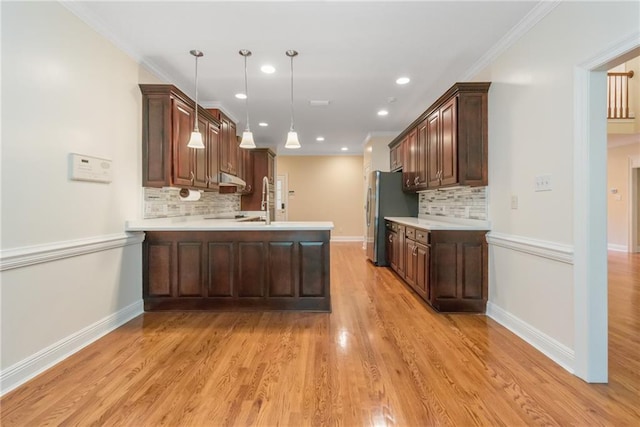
(381, 358)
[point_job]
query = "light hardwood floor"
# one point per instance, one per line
(381, 358)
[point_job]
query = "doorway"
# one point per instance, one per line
(282, 198)
(590, 210)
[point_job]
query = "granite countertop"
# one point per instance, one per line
(213, 223)
(431, 222)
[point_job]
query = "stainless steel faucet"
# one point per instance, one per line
(265, 199)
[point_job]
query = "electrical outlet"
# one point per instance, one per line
(514, 202)
(543, 183)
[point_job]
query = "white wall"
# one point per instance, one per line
(65, 89)
(531, 122)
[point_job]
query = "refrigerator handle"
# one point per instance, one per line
(368, 206)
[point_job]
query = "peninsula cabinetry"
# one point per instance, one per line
(450, 143)
(168, 120)
(236, 270)
(446, 268)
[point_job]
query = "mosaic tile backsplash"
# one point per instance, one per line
(466, 202)
(166, 202)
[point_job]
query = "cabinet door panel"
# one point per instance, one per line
(200, 157)
(189, 268)
(233, 149)
(472, 271)
(213, 140)
(422, 270)
(433, 150)
(251, 272)
(400, 250)
(448, 143)
(156, 141)
(159, 269)
(445, 271)
(281, 269)
(312, 275)
(421, 160)
(221, 262)
(410, 260)
(182, 128)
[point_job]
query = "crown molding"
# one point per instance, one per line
(534, 16)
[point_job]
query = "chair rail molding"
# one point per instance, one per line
(30, 255)
(541, 248)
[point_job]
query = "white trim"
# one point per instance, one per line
(347, 239)
(632, 202)
(550, 250)
(617, 248)
(39, 362)
(554, 350)
(534, 16)
(30, 255)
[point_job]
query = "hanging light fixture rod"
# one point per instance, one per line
(196, 137)
(292, 136)
(247, 135)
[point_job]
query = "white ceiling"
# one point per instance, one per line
(350, 54)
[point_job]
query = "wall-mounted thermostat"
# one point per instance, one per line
(88, 168)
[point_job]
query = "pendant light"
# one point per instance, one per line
(247, 136)
(292, 136)
(196, 137)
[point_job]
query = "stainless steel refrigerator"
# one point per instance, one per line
(385, 198)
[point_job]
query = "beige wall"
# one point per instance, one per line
(618, 177)
(326, 188)
(65, 89)
(528, 138)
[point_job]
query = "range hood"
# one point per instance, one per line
(230, 180)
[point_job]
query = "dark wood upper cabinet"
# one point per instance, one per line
(451, 146)
(168, 117)
(396, 156)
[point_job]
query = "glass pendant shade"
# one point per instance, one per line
(292, 140)
(196, 140)
(247, 140)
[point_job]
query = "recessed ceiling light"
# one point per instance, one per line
(383, 112)
(268, 69)
(263, 124)
(320, 138)
(403, 80)
(345, 149)
(241, 96)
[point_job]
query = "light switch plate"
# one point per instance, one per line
(543, 182)
(514, 202)
(89, 168)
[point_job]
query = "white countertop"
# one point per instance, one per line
(207, 223)
(430, 222)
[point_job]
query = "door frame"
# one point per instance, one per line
(633, 199)
(285, 196)
(590, 208)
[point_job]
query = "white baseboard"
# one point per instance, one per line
(559, 353)
(346, 238)
(617, 248)
(39, 362)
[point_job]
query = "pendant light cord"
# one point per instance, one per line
(246, 92)
(196, 129)
(291, 93)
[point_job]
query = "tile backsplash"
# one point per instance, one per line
(166, 202)
(463, 202)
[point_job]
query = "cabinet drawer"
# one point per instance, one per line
(410, 233)
(422, 236)
(391, 226)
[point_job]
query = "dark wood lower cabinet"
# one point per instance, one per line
(236, 270)
(447, 268)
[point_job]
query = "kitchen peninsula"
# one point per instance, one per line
(199, 263)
